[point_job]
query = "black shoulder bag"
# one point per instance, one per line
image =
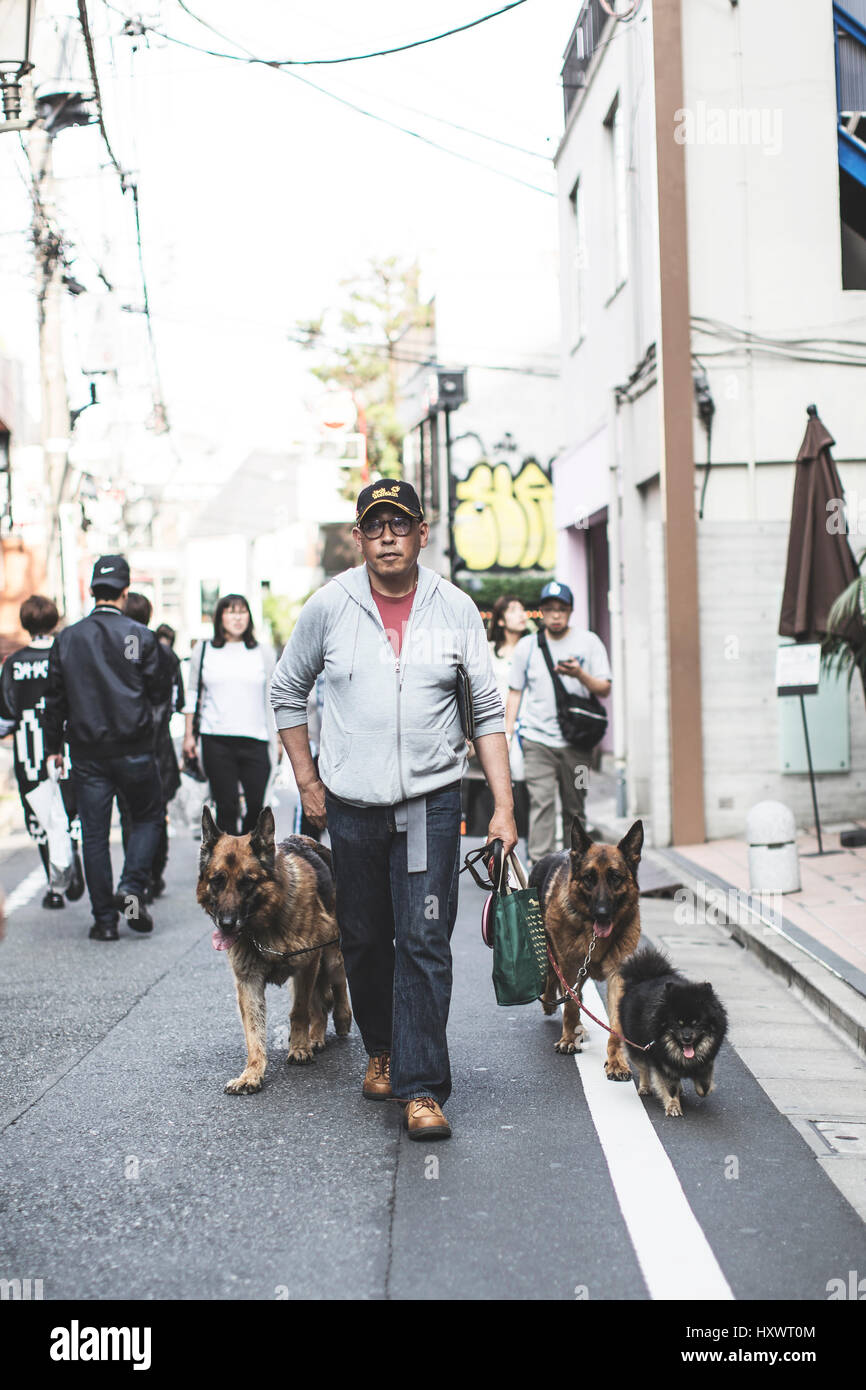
(191, 766)
(582, 719)
(196, 719)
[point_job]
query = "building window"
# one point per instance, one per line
(577, 274)
(585, 40)
(618, 193)
(850, 24)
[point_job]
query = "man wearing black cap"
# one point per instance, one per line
(389, 637)
(105, 676)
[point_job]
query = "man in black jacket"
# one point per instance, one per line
(105, 676)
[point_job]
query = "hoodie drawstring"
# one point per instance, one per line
(355, 643)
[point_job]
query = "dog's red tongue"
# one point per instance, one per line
(220, 942)
(688, 1052)
(602, 931)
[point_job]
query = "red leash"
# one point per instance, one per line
(641, 1047)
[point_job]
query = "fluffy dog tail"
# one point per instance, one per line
(646, 964)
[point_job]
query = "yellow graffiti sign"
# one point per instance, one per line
(505, 522)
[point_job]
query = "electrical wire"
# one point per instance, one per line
(97, 95)
(344, 101)
(419, 360)
(127, 185)
(353, 58)
(718, 328)
(465, 129)
(425, 139)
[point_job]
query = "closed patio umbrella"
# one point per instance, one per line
(820, 560)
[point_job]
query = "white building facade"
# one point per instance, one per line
(778, 306)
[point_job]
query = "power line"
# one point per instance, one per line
(466, 130)
(425, 139)
(840, 352)
(422, 360)
(127, 185)
(97, 95)
(534, 154)
(353, 58)
(343, 101)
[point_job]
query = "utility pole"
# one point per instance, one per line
(55, 402)
(677, 453)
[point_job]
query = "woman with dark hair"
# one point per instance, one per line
(506, 626)
(229, 709)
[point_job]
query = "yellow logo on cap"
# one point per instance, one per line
(387, 491)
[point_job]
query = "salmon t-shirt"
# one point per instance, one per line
(394, 613)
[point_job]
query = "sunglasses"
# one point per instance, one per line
(400, 526)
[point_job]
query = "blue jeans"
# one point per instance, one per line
(395, 932)
(97, 781)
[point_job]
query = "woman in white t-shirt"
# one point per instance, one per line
(508, 623)
(229, 709)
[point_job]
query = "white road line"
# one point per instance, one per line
(26, 889)
(674, 1254)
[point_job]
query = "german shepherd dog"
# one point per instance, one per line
(268, 902)
(590, 893)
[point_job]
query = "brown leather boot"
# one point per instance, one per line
(377, 1080)
(424, 1119)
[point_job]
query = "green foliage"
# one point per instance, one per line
(281, 613)
(356, 345)
(844, 647)
(485, 589)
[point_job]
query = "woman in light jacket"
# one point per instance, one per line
(228, 706)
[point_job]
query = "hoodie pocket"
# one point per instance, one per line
(428, 752)
(361, 767)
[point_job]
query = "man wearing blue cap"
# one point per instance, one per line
(581, 662)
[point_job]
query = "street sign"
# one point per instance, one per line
(798, 668)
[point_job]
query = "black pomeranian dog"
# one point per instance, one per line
(685, 1022)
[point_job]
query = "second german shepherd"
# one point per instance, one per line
(591, 893)
(269, 904)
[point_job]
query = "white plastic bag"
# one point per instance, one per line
(187, 803)
(46, 803)
(515, 758)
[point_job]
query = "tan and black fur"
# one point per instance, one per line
(279, 898)
(593, 883)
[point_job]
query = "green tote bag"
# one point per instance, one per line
(519, 941)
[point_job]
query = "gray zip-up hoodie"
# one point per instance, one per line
(390, 728)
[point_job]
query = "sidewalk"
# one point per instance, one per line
(827, 916)
(815, 938)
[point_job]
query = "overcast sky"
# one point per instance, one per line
(258, 194)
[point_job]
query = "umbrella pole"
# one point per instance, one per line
(811, 776)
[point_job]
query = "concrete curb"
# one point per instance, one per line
(820, 985)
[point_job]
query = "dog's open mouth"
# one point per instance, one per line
(688, 1051)
(222, 941)
(599, 930)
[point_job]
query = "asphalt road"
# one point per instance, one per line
(128, 1173)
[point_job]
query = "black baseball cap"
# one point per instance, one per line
(393, 491)
(112, 572)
